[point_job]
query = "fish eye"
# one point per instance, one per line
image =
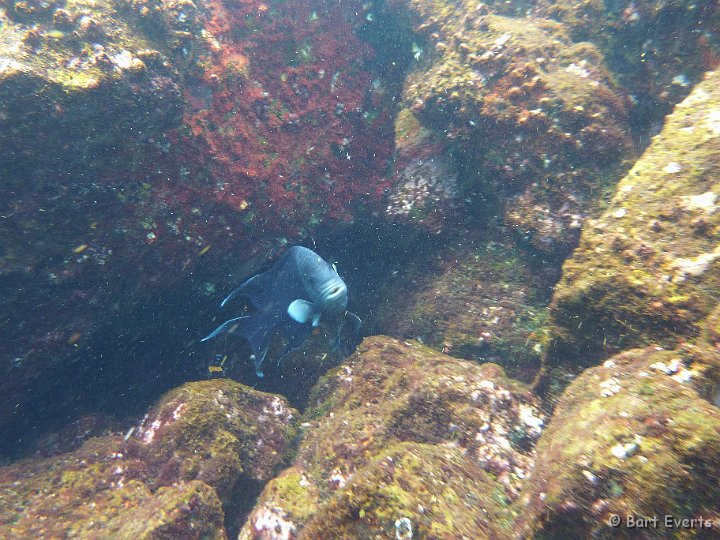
(334, 290)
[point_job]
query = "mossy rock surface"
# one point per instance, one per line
(82, 81)
(203, 449)
(476, 299)
(536, 122)
(648, 269)
(101, 491)
(217, 431)
(402, 436)
(682, 37)
(632, 437)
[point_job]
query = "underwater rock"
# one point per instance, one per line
(204, 445)
(290, 117)
(647, 270)
(217, 431)
(631, 437)
(657, 49)
(142, 145)
(535, 119)
(77, 88)
(99, 491)
(476, 299)
(183, 510)
(425, 186)
(398, 438)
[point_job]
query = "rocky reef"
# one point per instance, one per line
(403, 440)
(478, 297)
(182, 473)
(658, 50)
(142, 142)
(635, 436)
(646, 270)
(549, 349)
(534, 122)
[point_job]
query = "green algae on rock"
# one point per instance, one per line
(183, 510)
(99, 491)
(81, 85)
(538, 120)
(183, 474)
(647, 270)
(400, 436)
(631, 437)
(217, 431)
(475, 299)
(657, 49)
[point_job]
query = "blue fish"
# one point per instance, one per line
(293, 296)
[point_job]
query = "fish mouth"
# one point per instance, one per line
(336, 291)
(335, 296)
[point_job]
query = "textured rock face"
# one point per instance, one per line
(475, 299)
(632, 437)
(534, 118)
(99, 492)
(169, 478)
(657, 49)
(401, 437)
(81, 83)
(648, 269)
(216, 431)
(425, 189)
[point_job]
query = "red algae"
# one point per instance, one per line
(292, 130)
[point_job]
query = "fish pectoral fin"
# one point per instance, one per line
(301, 311)
(222, 327)
(316, 320)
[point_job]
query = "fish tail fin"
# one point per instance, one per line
(254, 331)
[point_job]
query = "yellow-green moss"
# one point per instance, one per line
(635, 278)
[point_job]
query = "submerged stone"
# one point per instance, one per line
(185, 472)
(401, 436)
(632, 437)
(647, 270)
(475, 299)
(532, 121)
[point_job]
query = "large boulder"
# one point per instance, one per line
(474, 298)
(403, 440)
(176, 475)
(532, 122)
(633, 437)
(657, 49)
(647, 269)
(217, 431)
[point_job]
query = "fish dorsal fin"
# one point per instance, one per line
(302, 311)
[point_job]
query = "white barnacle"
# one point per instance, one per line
(672, 168)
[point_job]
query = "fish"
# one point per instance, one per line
(296, 294)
